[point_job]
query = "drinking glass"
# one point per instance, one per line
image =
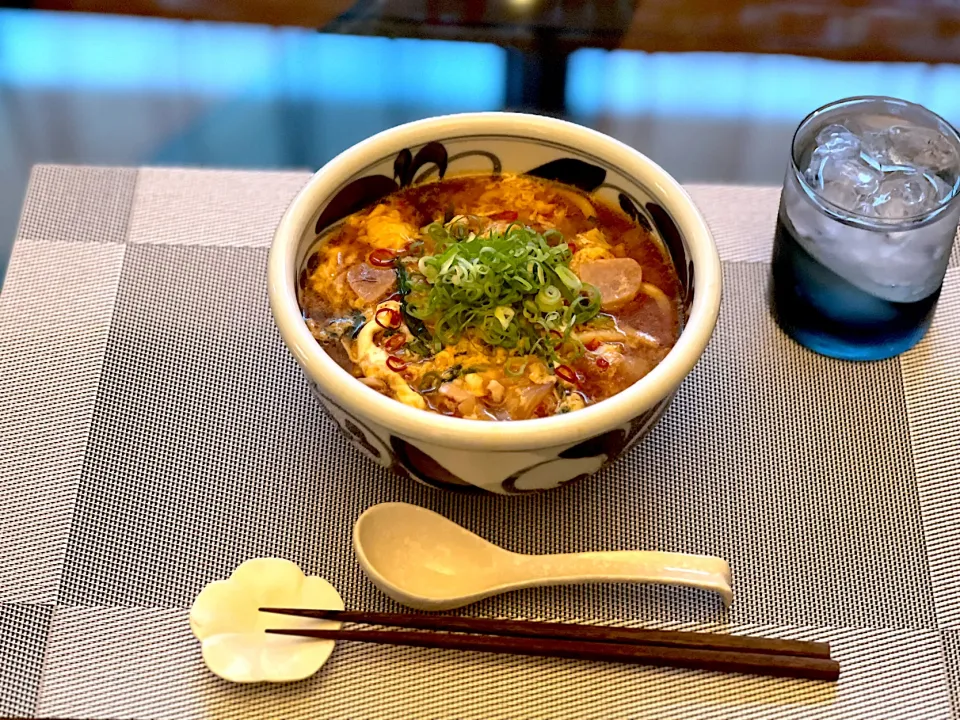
(868, 214)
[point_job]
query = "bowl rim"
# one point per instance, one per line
(516, 435)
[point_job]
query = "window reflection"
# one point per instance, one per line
(52, 50)
(729, 117)
(98, 89)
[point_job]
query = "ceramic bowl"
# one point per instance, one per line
(509, 457)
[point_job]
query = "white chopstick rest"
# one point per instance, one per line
(225, 618)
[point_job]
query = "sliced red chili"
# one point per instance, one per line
(592, 345)
(395, 297)
(603, 363)
(395, 363)
(567, 374)
(508, 215)
(387, 318)
(572, 246)
(381, 257)
(395, 342)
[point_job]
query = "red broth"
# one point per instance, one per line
(492, 297)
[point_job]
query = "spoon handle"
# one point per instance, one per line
(699, 571)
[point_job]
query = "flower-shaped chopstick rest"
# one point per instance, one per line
(226, 620)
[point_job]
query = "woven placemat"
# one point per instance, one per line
(157, 433)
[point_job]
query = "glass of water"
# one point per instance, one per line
(867, 219)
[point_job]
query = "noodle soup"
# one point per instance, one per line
(493, 297)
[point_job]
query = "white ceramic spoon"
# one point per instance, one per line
(424, 561)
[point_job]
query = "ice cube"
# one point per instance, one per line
(943, 190)
(834, 144)
(864, 179)
(841, 195)
(904, 195)
(837, 140)
(844, 181)
(901, 146)
(876, 149)
(865, 208)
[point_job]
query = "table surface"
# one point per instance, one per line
(156, 433)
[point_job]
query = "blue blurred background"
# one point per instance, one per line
(110, 90)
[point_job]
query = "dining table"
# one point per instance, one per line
(155, 433)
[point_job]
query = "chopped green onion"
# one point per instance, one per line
(451, 373)
(514, 367)
(568, 278)
(603, 321)
(413, 322)
(430, 382)
(587, 305)
(359, 320)
(549, 299)
(504, 314)
(508, 289)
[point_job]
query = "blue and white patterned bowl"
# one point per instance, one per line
(511, 457)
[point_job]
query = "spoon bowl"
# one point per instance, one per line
(427, 562)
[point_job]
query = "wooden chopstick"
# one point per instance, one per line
(570, 631)
(718, 660)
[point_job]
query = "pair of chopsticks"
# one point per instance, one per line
(666, 648)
